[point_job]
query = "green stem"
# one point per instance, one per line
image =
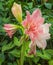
(21, 27)
(23, 51)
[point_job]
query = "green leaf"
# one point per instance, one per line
(4, 42)
(7, 46)
(2, 58)
(50, 51)
(43, 55)
(16, 41)
(30, 5)
(35, 59)
(6, 20)
(10, 64)
(1, 6)
(48, 5)
(15, 63)
(1, 29)
(50, 62)
(9, 3)
(15, 53)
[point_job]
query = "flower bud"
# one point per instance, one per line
(17, 11)
(10, 29)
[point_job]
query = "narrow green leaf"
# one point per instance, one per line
(14, 63)
(8, 46)
(50, 51)
(16, 41)
(2, 58)
(10, 64)
(44, 55)
(35, 59)
(1, 6)
(15, 53)
(48, 5)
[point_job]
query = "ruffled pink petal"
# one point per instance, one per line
(46, 36)
(24, 23)
(38, 21)
(36, 13)
(28, 16)
(46, 27)
(41, 43)
(32, 36)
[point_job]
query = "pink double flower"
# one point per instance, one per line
(36, 30)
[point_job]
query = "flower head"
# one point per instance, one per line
(17, 11)
(36, 29)
(10, 29)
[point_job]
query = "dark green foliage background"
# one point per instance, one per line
(10, 48)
